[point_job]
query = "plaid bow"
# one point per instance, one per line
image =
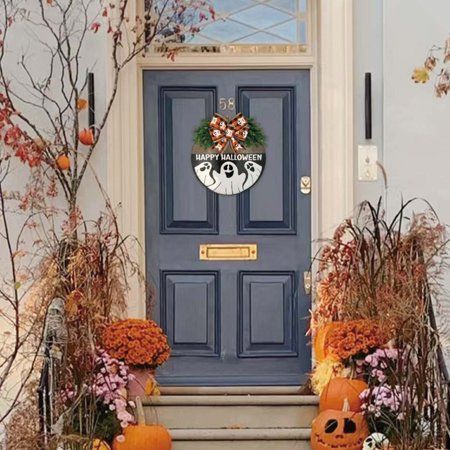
(235, 131)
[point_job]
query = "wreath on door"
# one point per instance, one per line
(229, 155)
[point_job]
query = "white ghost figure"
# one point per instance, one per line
(376, 441)
(203, 171)
(228, 181)
(253, 173)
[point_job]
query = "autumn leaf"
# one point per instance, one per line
(420, 75)
(430, 63)
(50, 2)
(95, 27)
(442, 84)
(82, 104)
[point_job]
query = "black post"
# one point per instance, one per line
(368, 104)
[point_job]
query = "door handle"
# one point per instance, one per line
(307, 282)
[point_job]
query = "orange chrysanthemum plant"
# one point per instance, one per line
(355, 338)
(140, 343)
(143, 345)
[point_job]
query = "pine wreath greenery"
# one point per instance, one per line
(255, 138)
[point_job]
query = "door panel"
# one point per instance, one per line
(269, 207)
(186, 206)
(190, 312)
(229, 322)
(267, 309)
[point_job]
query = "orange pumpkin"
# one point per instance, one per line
(63, 162)
(345, 430)
(320, 339)
(86, 136)
(142, 436)
(340, 389)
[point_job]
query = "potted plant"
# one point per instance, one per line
(142, 345)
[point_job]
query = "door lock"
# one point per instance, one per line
(305, 185)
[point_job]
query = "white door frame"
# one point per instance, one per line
(331, 63)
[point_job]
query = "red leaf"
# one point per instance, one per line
(95, 27)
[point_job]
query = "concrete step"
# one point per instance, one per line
(231, 390)
(198, 412)
(241, 439)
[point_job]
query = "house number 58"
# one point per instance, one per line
(227, 103)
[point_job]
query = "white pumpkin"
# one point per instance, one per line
(376, 441)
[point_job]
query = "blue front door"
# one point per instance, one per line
(229, 322)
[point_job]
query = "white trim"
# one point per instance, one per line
(332, 124)
(336, 112)
(125, 174)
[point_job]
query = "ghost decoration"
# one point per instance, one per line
(376, 441)
(253, 173)
(228, 180)
(203, 171)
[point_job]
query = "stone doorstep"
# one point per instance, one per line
(242, 439)
(234, 415)
(231, 390)
(275, 434)
(231, 400)
(241, 445)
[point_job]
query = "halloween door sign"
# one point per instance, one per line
(229, 155)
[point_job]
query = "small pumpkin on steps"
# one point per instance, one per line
(142, 436)
(340, 389)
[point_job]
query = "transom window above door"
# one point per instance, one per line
(254, 26)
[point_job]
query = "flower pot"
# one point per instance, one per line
(140, 378)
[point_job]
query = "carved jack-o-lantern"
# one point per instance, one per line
(343, 430)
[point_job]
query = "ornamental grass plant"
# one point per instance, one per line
(380, 280)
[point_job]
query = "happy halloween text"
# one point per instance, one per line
(228, 157)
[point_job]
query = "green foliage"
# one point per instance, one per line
(201, 135)
(107, 425)
(255, 138)
(103, 423)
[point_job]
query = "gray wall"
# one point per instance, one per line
(368, 57)
(411, 125)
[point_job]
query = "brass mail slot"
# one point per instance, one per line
(228, 252)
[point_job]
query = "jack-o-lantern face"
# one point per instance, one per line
(343, 430)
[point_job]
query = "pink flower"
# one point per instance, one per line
(109, 384)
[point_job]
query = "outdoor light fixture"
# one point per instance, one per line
(368, 104)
